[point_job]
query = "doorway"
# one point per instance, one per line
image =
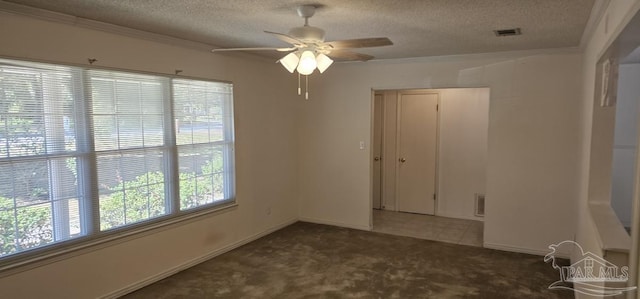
(404, 147)
(444, 133)
(429, 153)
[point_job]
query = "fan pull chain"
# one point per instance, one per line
(299, 90)
(306, 88)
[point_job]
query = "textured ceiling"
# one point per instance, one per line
(417, 27)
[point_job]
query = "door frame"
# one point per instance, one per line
(436, 182)
(382, 152)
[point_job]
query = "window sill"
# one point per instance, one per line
(611, 233)
(51, 255)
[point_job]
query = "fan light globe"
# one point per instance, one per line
(307, 63)
(323, 62)
(290, 62)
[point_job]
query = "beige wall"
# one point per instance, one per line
(533, 140)
(462, 152)
(265, 154)
(302, 157)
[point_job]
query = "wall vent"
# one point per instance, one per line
(479, 211)
(507, 32)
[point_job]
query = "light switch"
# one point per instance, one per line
(361, 145)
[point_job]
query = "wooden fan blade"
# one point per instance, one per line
(253, 49)
(286, 38)
(360, 43)
(348, 55)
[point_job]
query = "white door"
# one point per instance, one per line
(417, 131)
(378, 110)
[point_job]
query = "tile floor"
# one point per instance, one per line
(450, 230)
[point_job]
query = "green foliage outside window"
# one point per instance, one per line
(142, 198)
(33, 227)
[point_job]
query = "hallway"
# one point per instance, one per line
(450, 230)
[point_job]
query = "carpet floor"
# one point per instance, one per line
(307, 260)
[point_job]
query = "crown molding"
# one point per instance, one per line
(475, 56)
(56, 17)
(597, 13)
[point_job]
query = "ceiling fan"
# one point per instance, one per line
(309, 50)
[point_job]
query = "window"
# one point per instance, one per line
(204, 137)
(39, 197)
(129, 140)
(85, 153)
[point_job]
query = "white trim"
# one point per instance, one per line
(334, 223)
(93, 245)
(504, 55)
(612, 235)
(510, 248)
(459, 216)
(398, 157)
(614, 33)
(56, 17)
(372, 137)
(597, 12)
(157, 277)
(60, 18)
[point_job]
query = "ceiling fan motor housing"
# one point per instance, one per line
(307, 33)
(306, 11)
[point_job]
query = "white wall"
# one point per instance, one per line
(533, 140)
(265, 153)
(462, 153)
(624, 142)
(595, 187)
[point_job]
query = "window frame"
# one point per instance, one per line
(93, 237)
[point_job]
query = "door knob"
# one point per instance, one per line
(403, 160)
(376, 159)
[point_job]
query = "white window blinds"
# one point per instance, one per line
(87, 152)
(129, 139)
(204, 135)
(40, 194)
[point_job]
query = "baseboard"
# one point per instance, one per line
(334, 223)
(145, 282)
(502, 247)
(441, 214)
